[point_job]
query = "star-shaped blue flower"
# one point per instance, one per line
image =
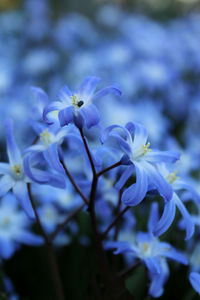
(141, 160)
(77, 107)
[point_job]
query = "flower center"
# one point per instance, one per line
(5, 222)
(145, 249)
(145, 148)
(46, 137)
(66, 199)
(49, 215)
(76, 101)
(171, 177)
(140, 152)
(17, 171)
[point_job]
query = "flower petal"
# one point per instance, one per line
(7, 247)
(194, 278)
(38, 127)
(107, 131)
(90, 115)
(49, 108)
(65, 94)
(62, 133)
(156, 156)
(181, 185)
(121, 246)
(66, 115)
(13, 152)
(40, 95)
(140, 135)
(34, 148)
(156, 179)
(4, 168)
(43, 177)
(136, 192)
(189, 224)
(153, 218)
(122, 143)
(167, 218)
(21, 193)
(52, 157)
(153, 264)
(125, 176)
(108, 90)
(88, 87)
(28, 238)
(172, 253)
(6, 183)
(158, 280)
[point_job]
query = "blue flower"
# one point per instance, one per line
(77, 107)
(16, 174)
(66, 199)
(49, 176)
(142, 160)
(50, 218)
(151, 252)
(50, 137)
(170, 207)
(14, 228)
(13, 175)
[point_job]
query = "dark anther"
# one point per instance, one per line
(80, 103)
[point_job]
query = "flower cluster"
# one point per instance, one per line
(85, 164)
(119, 170)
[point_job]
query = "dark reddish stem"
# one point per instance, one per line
(116, 220)
(35, 140)
(117, 213)
(103, 263)
(74, 183)
(88, 152)
(65, 222)
(117, 164)
(127, 271)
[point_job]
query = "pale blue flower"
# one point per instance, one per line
(142, 160)
(14, 228)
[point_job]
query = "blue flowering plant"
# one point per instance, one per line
(75, 170)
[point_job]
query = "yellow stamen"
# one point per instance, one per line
(145, 148)
(141, 151)
(5, 222)
(45, 136)
(145, 247)
(76, 101)
(171, 177)
(17, 169)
